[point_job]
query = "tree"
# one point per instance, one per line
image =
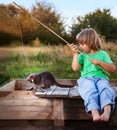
(7, 25)
(45, 13)
(16, 23)
(101, 21)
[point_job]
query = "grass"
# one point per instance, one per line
(14, 63)
(19, 62)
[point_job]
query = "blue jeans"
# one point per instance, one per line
(96, 93)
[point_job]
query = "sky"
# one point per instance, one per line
(70, 9)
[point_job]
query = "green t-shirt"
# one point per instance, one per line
(88, 69)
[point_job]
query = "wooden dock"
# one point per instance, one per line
(56, 107)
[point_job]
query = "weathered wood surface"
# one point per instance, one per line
(23, 105)
(9, 87)
(54, 91)
(57, 92)
(56, 103)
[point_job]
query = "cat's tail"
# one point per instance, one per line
(63, 85)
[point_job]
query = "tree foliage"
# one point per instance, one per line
(16, 24)
(50, 18)
(101, 21)
(7, 25)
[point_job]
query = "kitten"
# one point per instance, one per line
(44, 80)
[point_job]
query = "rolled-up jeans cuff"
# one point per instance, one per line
(107, 102)
(91, 107)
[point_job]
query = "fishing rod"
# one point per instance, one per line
(38, 21)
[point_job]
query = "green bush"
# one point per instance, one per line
(4, 78)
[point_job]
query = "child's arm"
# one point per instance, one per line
(106, 66)
(75, 65)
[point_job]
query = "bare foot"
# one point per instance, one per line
(96, 115)
(106, 115)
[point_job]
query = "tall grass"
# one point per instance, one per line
(19, 62)
(15, 64)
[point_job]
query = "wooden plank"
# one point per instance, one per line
(58, 112)
(74, 109)
(41, 94)
(73, 93)
(54, 92)
(8, 87)
(25, 124)
(24, 105)
(60, 92)
(51, 90)
(21, 108)
(57, 92)
(47, 92)
(26, 102)
(18, 94)
(25, 112)
(113, 119)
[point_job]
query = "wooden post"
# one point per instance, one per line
(58, 112)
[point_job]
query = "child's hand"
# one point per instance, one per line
(95, 62)
(74, 48)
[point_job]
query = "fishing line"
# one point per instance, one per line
(38, 21)
(22, 43)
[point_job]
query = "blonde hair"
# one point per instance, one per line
(89, 37)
